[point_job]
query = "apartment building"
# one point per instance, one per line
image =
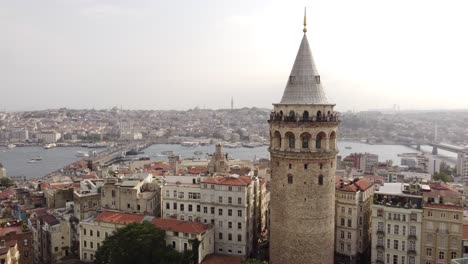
(227, 202)
(178, 233)
(353, 200)
(397, 216)
(442, 225)
(134, 193)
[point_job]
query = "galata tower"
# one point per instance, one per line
(303, 151)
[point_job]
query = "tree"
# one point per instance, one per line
(442, 177)
(6, 182)
(139, 243)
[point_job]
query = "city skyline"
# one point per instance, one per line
(151, 55)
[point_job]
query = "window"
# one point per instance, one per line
(395, 259)
(350, 210)
(198, 208)
(429, 252)
(305, 166)
(220, 235)
(342, 222)
(239, 213)
(388, 243)
(239, 237)
(290, 179)
(380, 226)
(91, 244)
(389, 228)
(412, 230)
(98, 234)
(212, 210)
(85, 255)
(205, 209)
(348, 247)
(56, 248)
(229, 212)
(181, 195)
(413, 217)
(230, 188)
(229, 224)
(91, 232)
(239, 225)
(229, 236)
(453, 255)
(239, 200)
(342, 234)
(429, 213)
(404, 230)
(220, 224)
(441, 255)
(220, 211)
(190, 208)
(181, 207)
(404, 218)
(113, 193)
(292, 141)
(305, 142)
(395, 244)
(174, 206)
(342, 210)
(84, 231)
(168, 206)
(349, 222)
(320, 180)
(229, 200)
(220, 199)
(396, 229)
(167, 193)
(174, 194)
(290, 166)
(194, 196)
(442, 214)
(403, 259)
(455, 216)
(84, 243)
(349, 235)
(173, 244)
(403, 245)
(212, 186)
(342, 246)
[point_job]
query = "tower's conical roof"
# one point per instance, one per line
(303, 85)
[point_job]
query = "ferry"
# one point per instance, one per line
(82, 154)
(189, 144)
(35, 159)
(167, 152)
(49, 146)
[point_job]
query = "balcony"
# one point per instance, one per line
(380, 232)
(411, 252)
(380, 247)
(293, 119)
(412, 237)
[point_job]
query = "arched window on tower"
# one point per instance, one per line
(305, 138)
(320, 180)
(319, 116)
(320, 140)
(305, 116)
(290, 179)
(291, 140)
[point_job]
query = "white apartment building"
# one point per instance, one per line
(48, 137)
(353, 220)
(94, 231)
(227, 202)
(397, 216)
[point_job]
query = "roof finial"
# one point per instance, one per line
(305, 20)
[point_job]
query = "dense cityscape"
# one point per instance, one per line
(123, 191)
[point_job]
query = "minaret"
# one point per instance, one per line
(303, 151)
(232, 103)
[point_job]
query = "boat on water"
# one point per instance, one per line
(347, 147)
(82, 154)
(38, 158)
(133, 152)
(49, 146)
(168, 152)
(189, 143)
(10, 146)
(33, 161)
(198, 152)
(251, 144)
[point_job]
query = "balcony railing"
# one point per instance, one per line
(412, 237)
(278, 118)
(380, 247)
(380, 232)
(412, 251)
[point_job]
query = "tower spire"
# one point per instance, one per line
(305, 20)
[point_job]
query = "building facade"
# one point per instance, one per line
(303, 130)
(353, 202)
(397, 217)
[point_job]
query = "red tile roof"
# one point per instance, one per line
(7, 193)
(441, 189)
(119, 218)
(221, 259)
(354, 186)
(180, 226)
(229, 180)
(6, 230)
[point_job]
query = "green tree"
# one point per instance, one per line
(6, 182)
(140, 243)
(441, 176)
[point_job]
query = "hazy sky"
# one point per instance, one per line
(181, 54)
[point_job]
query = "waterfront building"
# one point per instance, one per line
(303, 130)
(227, 202)
(48, 136)
(442, 225)
(397, 216)
(94, 231)
(133, 193)
(353, 202)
